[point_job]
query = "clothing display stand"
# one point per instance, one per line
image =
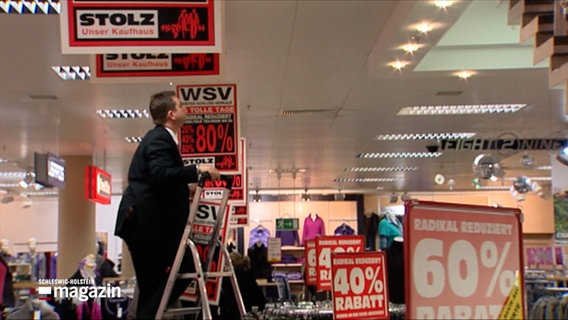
(201, 274)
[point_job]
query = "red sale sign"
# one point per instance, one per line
(359, 286)
(311, 276)
(325, 245)
(462, 261)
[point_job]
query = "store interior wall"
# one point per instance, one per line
(18, 224)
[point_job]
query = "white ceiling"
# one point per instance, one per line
(301, 55)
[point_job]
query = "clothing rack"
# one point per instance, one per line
(342, 219)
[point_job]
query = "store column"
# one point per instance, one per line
(76, 233)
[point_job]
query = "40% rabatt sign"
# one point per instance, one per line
(360, 286)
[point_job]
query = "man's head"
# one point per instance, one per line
(164, 107)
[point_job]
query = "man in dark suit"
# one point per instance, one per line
(155, 206)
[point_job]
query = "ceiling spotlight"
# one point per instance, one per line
(398, 65)
(27, 204)
(443, 4)
(393, 198)
(562, 156)
(410, 47)
(256, 197)
(27, 181)
(527, 161)
(522, 184)
(424, 27)
(464, 74)
(485, 166)
(306, 196)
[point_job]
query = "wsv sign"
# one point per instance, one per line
(207, 95)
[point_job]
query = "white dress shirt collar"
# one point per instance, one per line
(174, 135)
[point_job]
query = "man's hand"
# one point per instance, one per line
(213, 172)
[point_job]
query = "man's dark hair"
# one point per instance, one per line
(160, 104)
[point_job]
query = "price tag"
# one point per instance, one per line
(359, 286)
(209, 134)
(464, 260)
(325, 245)
(311, 276)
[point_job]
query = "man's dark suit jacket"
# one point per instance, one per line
(155, 205)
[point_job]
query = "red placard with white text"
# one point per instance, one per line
(201, 232)
(325, 245)
(360, 288)
(311, 276)
(210, 132)
(462, 261)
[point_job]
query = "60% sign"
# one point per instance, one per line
(461, 270)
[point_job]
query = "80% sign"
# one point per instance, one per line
(462, 269)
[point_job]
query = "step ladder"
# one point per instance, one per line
(201, 274)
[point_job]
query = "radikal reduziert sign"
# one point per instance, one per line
(91, 26)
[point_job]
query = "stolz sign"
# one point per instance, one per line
(90, 26)
(97, 185)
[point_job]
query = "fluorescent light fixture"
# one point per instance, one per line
(380, 169)
(424, 136)
(31, 6)
(133, 139)
(365, 180)
(73, 72)
(493, 188)
(390, 155)
(123, 113)
(9, 185)
(531, 178)
(460, 109)
(13, 174)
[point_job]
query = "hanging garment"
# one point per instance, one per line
(344, 230)
(313, 227)
(259, 234)
(389, 228)
(288, 237)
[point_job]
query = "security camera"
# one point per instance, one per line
(432, 148)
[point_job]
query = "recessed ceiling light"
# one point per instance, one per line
(386, 155)
(410, 47)
(424, 136)
(73, 72)
(123, 113)
(380, 169)
(460, 109)
(398, 64)
(443, 4)
(424, 27)
(464, 74)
